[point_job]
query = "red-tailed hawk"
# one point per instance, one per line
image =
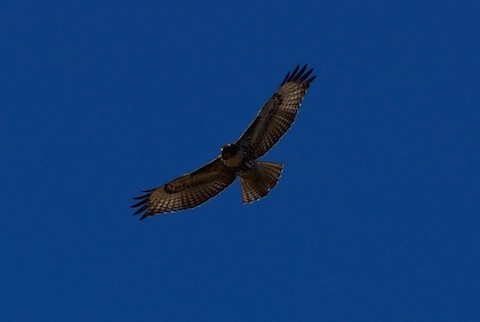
(236, 159)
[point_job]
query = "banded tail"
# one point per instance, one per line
(256, 188)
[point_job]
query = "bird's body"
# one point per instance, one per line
(256, 177)
(236, 159)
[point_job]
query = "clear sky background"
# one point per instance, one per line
(376, 216)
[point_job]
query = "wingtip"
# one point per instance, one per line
(305, 76)
(145, 210)
(141, 209)
(285, 78)
(295, 71)
(300, 72)
(138, 204)
(299, 75)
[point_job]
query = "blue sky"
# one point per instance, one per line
(376, 216)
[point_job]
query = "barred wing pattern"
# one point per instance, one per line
(187, 191)
(278, 114)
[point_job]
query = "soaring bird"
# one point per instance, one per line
(240, 159)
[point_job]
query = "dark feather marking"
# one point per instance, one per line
(171, 189)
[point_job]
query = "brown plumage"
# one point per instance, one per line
(187, 191)
(237, 159)
(278, 114)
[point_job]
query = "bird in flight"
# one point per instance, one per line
(240, 159)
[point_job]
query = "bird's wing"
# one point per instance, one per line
(278, 114)
(187, 191)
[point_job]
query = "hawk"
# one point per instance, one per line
(240, 159)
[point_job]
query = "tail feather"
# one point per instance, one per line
(256, 188)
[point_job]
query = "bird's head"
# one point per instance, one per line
(229, 151)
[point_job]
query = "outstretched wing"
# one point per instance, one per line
(278, 114)
(187, 191)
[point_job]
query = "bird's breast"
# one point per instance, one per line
(234, 162)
